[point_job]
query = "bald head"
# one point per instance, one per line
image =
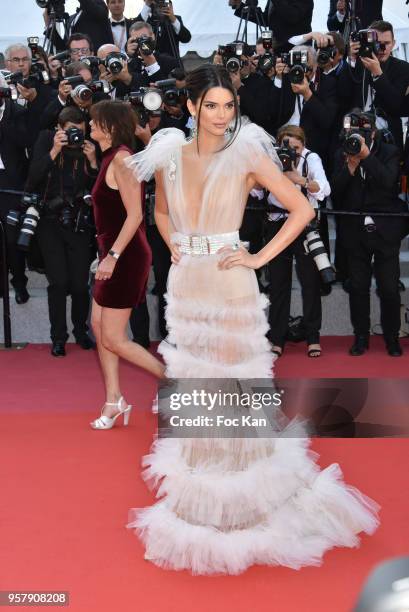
(106, 49)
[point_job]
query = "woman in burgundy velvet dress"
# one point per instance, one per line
(124, 255)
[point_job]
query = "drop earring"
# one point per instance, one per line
(193, 127)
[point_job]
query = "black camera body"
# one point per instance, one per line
(326, 54)
(114, 62)
(57, 7)
(171, 95)
(266, 62)
(287, 155)
(355, 127)
(75, 137)
(232, 55)
(297, 61)
(85, 92)
(146, 102)
(146, 45)
(368, 41)
(74, 80)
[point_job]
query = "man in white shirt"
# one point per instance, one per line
(119, 23)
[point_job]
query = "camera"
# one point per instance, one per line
(76, 214)
(7, 94)
(114, 62)
(315, 247)
(147, 102)
(146, 45)
(75, 137)
(53, 6)
(92, 63)
(325, 55)
(266, 62)
(356, 126)
(85, 92)
(368, 41)
(171, 95)
(33, 206)
(287, 155)
(232, 55)
(297, 61)
(74, 80)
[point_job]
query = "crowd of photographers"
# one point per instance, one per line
(333, 101)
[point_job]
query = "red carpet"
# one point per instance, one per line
(66, 491)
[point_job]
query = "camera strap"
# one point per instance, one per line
(304, 172)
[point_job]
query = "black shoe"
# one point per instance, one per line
(85, 342)
(393, 347)
(58, 349)
(360, 346)
(22, 295)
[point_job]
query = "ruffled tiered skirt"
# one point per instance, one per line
(227, 504)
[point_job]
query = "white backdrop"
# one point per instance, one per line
(210, 21)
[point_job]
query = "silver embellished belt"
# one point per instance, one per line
(196, 244)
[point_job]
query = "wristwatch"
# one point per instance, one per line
(113, 254)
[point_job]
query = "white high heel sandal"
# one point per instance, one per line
(105, 422)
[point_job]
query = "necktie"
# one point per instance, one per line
(117, 23)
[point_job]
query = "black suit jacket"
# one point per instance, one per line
(141, 79)
(367, 12)
(92, 20)
(285, 17)
(163, 40)
(317, 115)
(377, 192)
(390, 89)
(256, 97)
(14, 139)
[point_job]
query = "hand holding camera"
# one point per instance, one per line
(60, 141)
(90, 153)
(64, 90)
(303, 89)
(372, 64)
(28, 93)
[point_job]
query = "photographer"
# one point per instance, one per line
(119, 24)
(377, 80)
(168, 27)
(340, 10)
(80, 93)
(286, 18)
(306, 98)
(13, 170)
(91, 18)
(33, 93)
(146, 64)
(366, 179)
(305, 170)
(256, 92)
(63, 170)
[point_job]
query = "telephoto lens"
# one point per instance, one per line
(314, 245)
(28, 229)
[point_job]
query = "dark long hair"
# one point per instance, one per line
(204, 78)
(117, 118)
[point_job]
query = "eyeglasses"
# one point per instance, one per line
(17, 60)
(82, 51)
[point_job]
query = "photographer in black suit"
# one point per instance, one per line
(91, 18)
(13, 170)
(367, 11)
(63, 170)
(168, 27)
(146, 64)
(368, 181)
(311, 104)
(378, 83)
(286, 18)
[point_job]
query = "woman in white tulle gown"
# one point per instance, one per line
(228, 504)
